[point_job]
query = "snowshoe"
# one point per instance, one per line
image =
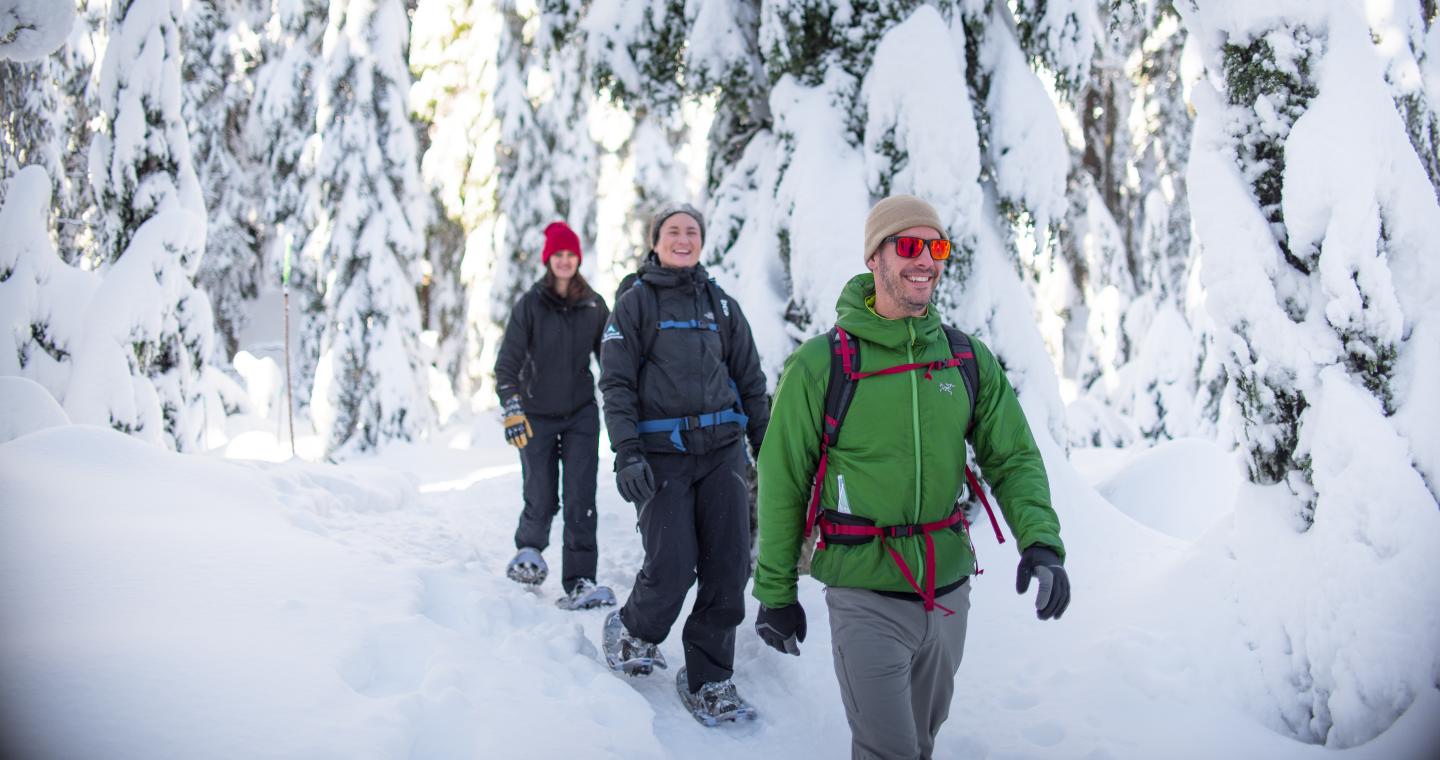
(528, 567)
(627, 654)
(716, 702)
(586, 595)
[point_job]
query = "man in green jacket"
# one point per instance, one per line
(899, 598)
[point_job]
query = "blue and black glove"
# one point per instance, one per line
(782, 627)
(633, 475)
(1054, 593)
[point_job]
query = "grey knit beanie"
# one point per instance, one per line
(894, 214)
(669, 211)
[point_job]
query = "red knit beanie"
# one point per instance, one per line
(559, 237)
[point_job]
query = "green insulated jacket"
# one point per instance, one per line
(901, 453)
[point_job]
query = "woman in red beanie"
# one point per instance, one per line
(543, 377)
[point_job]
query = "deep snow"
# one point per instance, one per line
(167, 605)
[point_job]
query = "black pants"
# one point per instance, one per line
(571, 444)
(696, 526)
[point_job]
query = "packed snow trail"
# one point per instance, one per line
(157, 604)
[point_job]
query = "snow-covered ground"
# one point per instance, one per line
(211, 606)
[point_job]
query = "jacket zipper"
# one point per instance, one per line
(915, 427)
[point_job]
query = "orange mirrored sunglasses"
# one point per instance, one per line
(908, 247)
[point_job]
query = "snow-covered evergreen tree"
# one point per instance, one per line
(453, 54)
(1060, 35)
(33, 117)
(221, 53)
(1159, 386)
(370, 385)
(147, 340)
(817, 56)
(525, 200)
(651, 153)
(1318, 229)
(723, 60)
(75, 207)
(282, 131)
(32, 126)
(563, 117)
(1410, 39)
(636, 55)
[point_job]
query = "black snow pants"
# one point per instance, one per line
(696, 526)
(570, 444)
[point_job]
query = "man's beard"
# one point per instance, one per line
(892, 279)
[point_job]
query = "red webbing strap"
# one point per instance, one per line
(814, 513)
(927, 594)
(975, 486)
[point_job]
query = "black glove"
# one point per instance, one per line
(633, 475)
(517, 427)
(782, 627)
(1054, 594)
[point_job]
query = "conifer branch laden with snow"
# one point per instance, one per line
(1317, 229)
(221, 53)
(142, 364)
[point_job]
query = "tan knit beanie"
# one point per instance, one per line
(896, 213)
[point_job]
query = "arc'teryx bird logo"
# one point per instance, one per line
(947, 388)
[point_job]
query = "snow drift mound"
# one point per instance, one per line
(25, 406)
(1179, 488)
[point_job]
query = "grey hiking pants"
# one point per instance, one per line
(896, 665)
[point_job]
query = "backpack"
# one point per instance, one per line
(840, 528)
(720, 323)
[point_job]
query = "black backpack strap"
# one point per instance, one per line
(720, 308)
(840, 391)
(649, 315)
(961, 346)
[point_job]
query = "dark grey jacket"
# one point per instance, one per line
(648, 373)
(545, 355)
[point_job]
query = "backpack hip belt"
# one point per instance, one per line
(850, 530)
(675, 425)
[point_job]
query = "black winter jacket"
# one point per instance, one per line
(647, 373)
(545, 355)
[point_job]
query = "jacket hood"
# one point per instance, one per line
(856, 314)
(654, 273)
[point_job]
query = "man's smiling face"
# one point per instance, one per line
(903, 287)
